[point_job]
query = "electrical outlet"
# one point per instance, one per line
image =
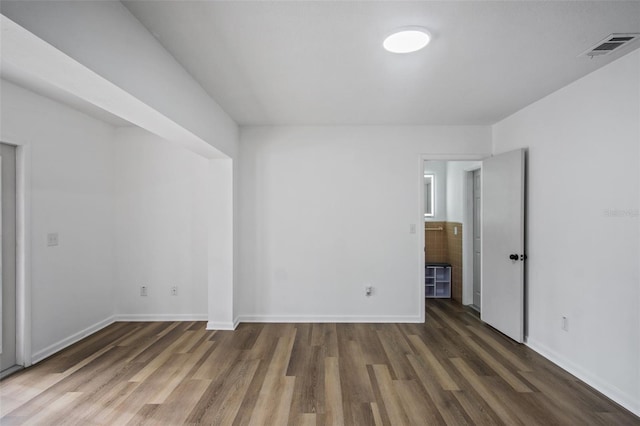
(52, 239)
(368, 290)
(565, 323)
(174, 290)
(143, 290)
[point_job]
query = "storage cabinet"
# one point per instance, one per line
(437, 280)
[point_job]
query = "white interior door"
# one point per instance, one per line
(503, 243)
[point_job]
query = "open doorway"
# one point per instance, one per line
(452, 230)
(502, 244)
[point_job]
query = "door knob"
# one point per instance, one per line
(514, 257)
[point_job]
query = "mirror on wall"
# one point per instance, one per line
(429, 199)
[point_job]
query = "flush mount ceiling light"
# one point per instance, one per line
(407, 40)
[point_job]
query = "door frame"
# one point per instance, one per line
(467, 236)
(23, 248)
(420, 187)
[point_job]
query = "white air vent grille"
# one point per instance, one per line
(611, 43)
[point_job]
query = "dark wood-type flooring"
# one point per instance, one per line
(452, 370)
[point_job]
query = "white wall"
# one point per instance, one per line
(70, 169)
(117, 47)
(456, 173)
(162, 215)
(439, 171)
(166, 99)
(583, 225)
(221, 232)
(325, 211)
(449, 176)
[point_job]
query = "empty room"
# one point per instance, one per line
(320, 212)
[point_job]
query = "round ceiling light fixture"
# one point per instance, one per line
(407, 40)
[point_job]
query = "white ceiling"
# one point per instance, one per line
(321, 62)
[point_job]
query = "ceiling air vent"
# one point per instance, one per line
(611, 43)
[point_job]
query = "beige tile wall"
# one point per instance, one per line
(436, 249)
(446, 246)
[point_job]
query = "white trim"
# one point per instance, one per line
(468, 234)
(58, 346)
(23, 248)
(23, 255)
(159, 317)
(332, 318)
(421, 249)
(222, 325)
(627, 401)
(453, 157)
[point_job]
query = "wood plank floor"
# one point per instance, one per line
(452, 370)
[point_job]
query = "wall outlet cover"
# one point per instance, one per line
(52, 239)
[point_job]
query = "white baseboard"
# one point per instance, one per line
(219, 325)
(160, 317)
(56, 347)
(627, 401)
(331, 318)
(222, 325)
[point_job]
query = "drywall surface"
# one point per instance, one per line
(456, 173)
(439, 171)
(583, 225)
(162, 214)
(220, 191)
(326, 211)
(117, 47)
(70, 174)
